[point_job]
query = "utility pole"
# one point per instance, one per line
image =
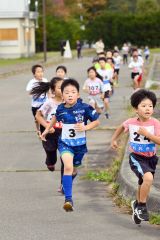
(36, 10)
(44, 30)
(28, 29)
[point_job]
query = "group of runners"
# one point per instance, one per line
(103, 76)
(62, 119)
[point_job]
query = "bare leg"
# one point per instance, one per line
(106, 104)
(115, 78)
(145, 187)
(38, 129)
(135, 80)
(138, 193)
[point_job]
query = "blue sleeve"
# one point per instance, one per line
(91, 113)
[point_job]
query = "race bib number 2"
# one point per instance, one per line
(141, 143)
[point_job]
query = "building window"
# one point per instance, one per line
(9, 34)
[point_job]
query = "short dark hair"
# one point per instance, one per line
(109, 50)
(101, 53)
(102, 59)
(61, 67)
(70, 81)
(34, 67)
(138, 96)
(112, 60)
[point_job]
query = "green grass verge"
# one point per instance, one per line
(119, 199)
(39, 57)
(107, 175)
(154, 218)
(155, 50)
(36, 57)
(102, 176)
(154, 87)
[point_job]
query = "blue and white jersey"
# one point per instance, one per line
(36, 102)
(79, 113)
(117, 62)
(107, 75)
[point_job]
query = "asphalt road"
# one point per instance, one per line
(30, 206)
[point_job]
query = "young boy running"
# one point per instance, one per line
(38, 73)
(117, 63)
(74, 115)
(61, 71)
(106, 75)
(144, 132)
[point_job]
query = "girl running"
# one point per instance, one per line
(136, 66)
(44, 116)
(36, 103)
(117, 62)
(61, 71)
(94, 87)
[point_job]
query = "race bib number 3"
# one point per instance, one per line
(140, 143)
(71, 137)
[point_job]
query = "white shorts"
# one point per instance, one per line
(95, 99)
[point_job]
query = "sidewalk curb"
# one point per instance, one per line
(128, 185)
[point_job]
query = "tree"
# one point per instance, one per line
(121, 6)
(147, 6)
(93, 8)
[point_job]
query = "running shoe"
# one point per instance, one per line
(68, 206)
(135, 219)
(142, 213)
(106, 115)
(51, 168)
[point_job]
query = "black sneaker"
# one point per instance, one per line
(106, 115)
(142, 213)
(51, 168)
(68, 206)
(135, 219)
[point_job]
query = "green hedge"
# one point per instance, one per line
(116, 28)
(57, 29)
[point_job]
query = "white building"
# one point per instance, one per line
(17, 29)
